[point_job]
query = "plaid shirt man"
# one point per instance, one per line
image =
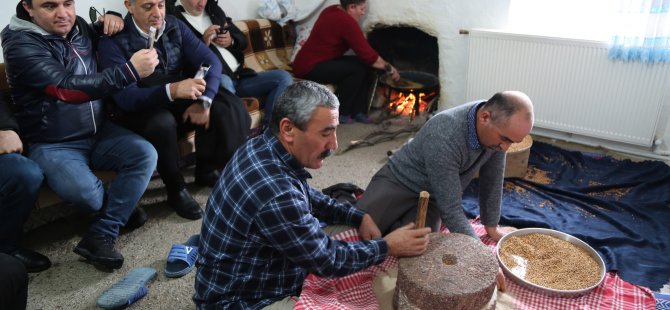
(259, 238)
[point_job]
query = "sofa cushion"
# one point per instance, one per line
(270, 45)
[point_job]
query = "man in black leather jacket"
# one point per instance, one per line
(55, 84)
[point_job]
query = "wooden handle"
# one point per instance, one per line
(423, 208)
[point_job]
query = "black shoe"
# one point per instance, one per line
(34, 262)
(183, 203)
(207, 179)
(100, 250)
(137, 219)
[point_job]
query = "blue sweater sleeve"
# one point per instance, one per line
(132, 97)
(196, 53)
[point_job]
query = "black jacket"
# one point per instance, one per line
(54, 80)
(6, 119)
(218, 17)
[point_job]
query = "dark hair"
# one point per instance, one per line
(345, 3)
(502, 106)
(298, 102)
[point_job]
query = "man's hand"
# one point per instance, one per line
(10, 142)
(145, 61)
(395, 75)
(368, 229)
(497, 232)
(111, 24)
(224, 40)
(210, 34)
(500, 280)
(406, 241)
(197, 114)
(187, 89)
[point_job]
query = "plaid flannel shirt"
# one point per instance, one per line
(259, 238)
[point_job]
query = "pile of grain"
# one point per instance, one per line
(549, 262)
(523, 145)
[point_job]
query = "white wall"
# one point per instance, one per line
(443, 20)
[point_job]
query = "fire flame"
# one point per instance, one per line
(404, 104)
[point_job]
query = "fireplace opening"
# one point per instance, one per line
(415, 54)
(407, 48)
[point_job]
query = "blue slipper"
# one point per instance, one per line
(128, 290)
(181, 258)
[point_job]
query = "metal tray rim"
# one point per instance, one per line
(563, 236)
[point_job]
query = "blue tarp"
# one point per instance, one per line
(619, 207)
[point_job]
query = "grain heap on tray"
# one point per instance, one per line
(456, 272)
(549, 262)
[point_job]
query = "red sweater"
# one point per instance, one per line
(334, 33)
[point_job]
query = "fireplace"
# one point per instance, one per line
(414, 94)
(414, 53)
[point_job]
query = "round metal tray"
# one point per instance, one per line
(562, 236)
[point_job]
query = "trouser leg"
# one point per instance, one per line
(159, 127)
(353, 78)
(270, 84)
(13, 283)
(20, 183)
(391, 205)
(134, 160)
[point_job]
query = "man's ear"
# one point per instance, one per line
(128, 6)
(484, 116)
(287, 129)
(27, 8)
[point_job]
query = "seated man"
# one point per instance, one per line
(443, 158)
(322, 58)
(259, 238)
(19, 184)
(56, 86)
(228, 43)
(170, 101)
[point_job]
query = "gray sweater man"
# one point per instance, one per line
(443, 158)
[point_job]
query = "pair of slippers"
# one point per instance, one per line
(134, 286)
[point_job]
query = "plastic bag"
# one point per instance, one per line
(280, 11)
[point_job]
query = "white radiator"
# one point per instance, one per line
(574, 87)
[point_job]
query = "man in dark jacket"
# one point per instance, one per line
(172, 101)
(20, 181)
(52, 71)
(208, 21)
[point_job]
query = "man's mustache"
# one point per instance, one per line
(326, 153)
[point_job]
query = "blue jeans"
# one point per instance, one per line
(20, 182)
(67, 167)
(269, 84)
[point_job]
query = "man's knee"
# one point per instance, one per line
(24, 176)
(163, 126)
(141, 155)
(285, 79)
(87, 192)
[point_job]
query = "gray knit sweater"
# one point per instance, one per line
(442, 161)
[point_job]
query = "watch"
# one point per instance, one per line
(206, 102)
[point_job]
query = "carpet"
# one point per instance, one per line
(619, 207)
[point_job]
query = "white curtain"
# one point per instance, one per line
(642, 31)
